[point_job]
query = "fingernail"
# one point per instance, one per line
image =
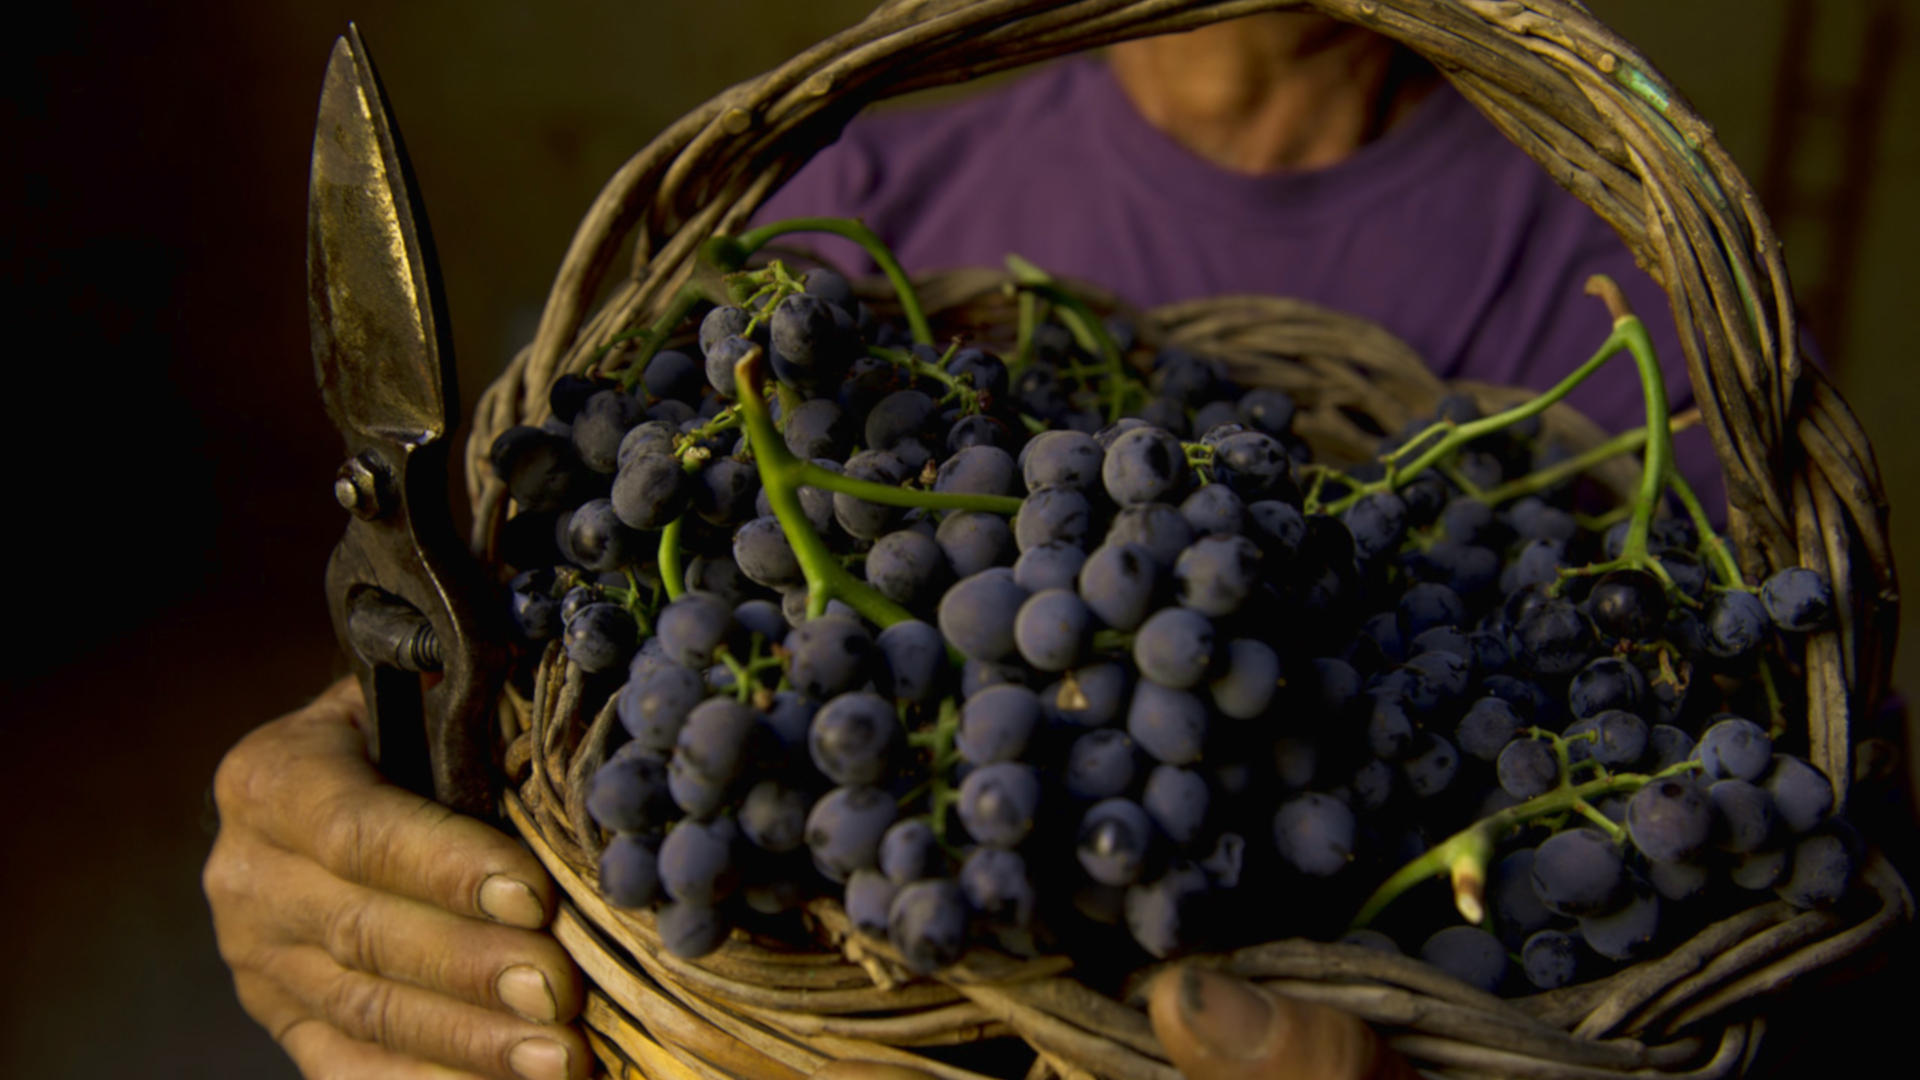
(1228, 1018)
(525, 991)
(538, 1059)
(511, 902)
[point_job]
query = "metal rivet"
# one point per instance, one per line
(357, 489)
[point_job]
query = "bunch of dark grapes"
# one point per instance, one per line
(1166, 682)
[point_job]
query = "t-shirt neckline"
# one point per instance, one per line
(1281, 200)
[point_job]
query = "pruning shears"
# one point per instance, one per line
(409, 603)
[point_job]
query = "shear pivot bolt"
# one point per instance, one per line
(357, 489)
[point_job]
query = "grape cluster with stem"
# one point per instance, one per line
(1081, 649)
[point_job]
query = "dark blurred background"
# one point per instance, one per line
(176, 451)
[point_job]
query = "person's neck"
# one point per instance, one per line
(1274, 92)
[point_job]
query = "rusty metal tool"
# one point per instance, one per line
(410, 605)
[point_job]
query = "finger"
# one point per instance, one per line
(496, 967)
(1215, 1027)
(323, 1053)
(866, 1070)
(413, 1022)
(304, 782)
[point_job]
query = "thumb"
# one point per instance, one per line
(1216, 1027)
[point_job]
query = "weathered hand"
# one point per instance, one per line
(1219, 1028)
(374, 933)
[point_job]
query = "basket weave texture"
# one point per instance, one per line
(1802, 484)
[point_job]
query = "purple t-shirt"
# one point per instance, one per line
(1441, 230)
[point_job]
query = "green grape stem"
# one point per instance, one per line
(958, 389)
(754, 239)
(1086, 328)
(1717, 552)
(672, 574)
(782, 475)
(1560, 472)
(1465, 854)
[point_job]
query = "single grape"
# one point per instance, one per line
(907, 567)
(1469, 954)
(814, 429)
(629, 793)
(1390, 726)
(997, 886)
(1251, 679)
(928, 924)
(1114, 842)
(1377, 522)
(1048, 566)
(1214, 509)
(974, 541)
(1100, 764)
(854, 738)
(1431, 765)
(761, 550)
(913, 661)
(1819, 867)
(1144, 465)
(1555, 638)
(1255, 465)
(828, 656)
(1606, 683)
(860, 518)
(978, 470)
(999, 802)
(868, 897)
(1177, 800)
(692, 627)
(1670, 820)
(1170, 725)
(1736, 624)
(1157, 528)
(1487, 727)
(1515, 909)
(977, 615)
(1579, 872)
(1527, 768)
(1551, 959)
(996, 724)
(1216, 574)
(1735, 748)
(1629, 604)
(690, 931)
(629, 872)
(909, 851)
(1174, 647)
(1801, 793)
(652, 707)
(1117, 582)
(1315, 834)
(1620, 738)
(844, 829)
(601, 637)
(1744, 817)
(696, 862)
(1798, 600)
(1628, 932)
(773, 816)
(596, 539)
(1052, 516)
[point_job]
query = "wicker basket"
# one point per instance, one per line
(1803, 490)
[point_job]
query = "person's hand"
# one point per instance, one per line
(374, 933)
(1215, 1027)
